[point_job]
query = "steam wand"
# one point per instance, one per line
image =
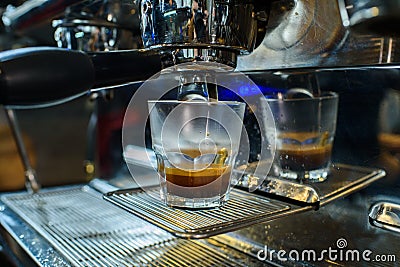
(31, 182)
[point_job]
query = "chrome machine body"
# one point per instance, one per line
(320, 45)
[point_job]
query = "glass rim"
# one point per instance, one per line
(327, 95)
(195, 102)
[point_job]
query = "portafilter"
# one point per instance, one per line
(209, 30)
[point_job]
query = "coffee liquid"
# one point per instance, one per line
(194, 178)
(295, 158)
(306, 152)
(212, 181)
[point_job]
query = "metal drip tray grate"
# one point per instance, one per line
(88, 231)
(343, 180)
(180, 252)
(243, 209)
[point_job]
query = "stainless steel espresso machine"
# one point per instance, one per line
(108, 48)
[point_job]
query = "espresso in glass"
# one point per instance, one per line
(200, 184)
(305, 125)
(303, 153)
(213, 177)
(196, 144)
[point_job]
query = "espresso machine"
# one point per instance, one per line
(345, 46)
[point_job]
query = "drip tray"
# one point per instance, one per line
(343, 180)
(244, 208)
(77, 225)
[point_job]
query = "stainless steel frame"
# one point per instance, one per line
(73, 226)
(306, 42)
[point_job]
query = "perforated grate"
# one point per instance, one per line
(88, 231)
(243, 209)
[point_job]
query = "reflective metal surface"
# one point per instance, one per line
(99, 26)
(306, 45)
(345, 220)
(343, 180)
(187, 30)
(242, 209)
(33, 12)
(385, 215)
(203, 29)
(371, 16)
(311, 34)
(72, 226)
(230, 24)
